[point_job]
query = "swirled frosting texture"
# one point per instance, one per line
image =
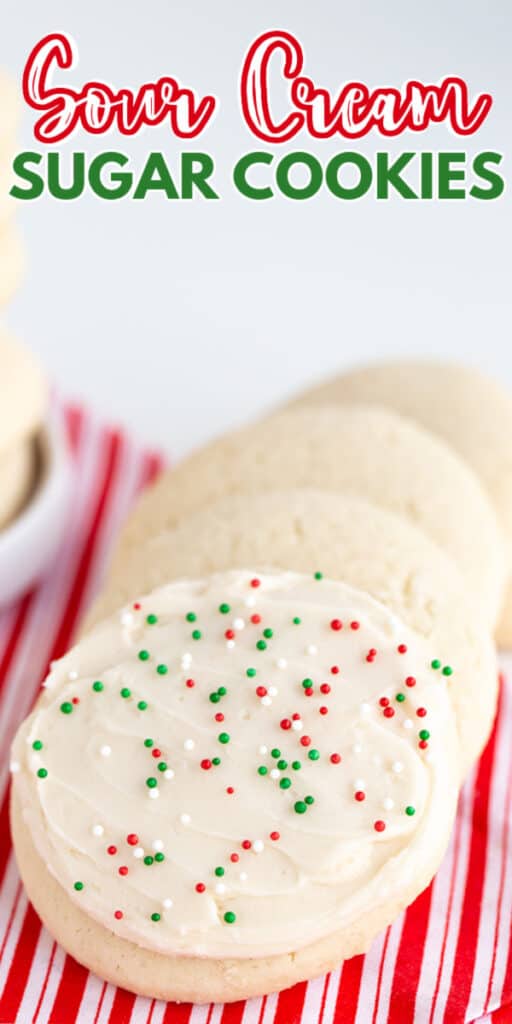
(240, 765)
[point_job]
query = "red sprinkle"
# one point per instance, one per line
(402, 648)
(308, 692)
(206, 764)
(372, 653)
(200, 887)
(335, 758)
(123, 870)
(384, 701)
(423, 744)
(132, 839)
(325, 688)
(255, 619)
(234, 858)
(421, 712)
(275, 836)
(296, 717)
(359, 795)
(336, 624)
(285, 723)
(219, 717)
(230, 634)
(388, 712)
(75, 700)
(323, 710)
(261, 691)
(255, 582)
(305, 741)
(246, 844)
(354, 625)
(379, 826)
(119, 913)
(334, 670)
(190, 683)
(230, 790)
(410, 681)
(156, 752)
(136, 606)
(111, 850)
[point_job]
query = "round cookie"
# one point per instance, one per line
(362, 450)
(17, 468)
(191, 858)
(471, 411)
(350, 540)
(24, 393)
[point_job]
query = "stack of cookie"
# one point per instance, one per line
(11, 252)
(288, 675)
(23, 409)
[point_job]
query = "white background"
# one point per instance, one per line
(182, 319)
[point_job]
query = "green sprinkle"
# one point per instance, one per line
(223, 737)
(151, 782)
(435, 663)
(400, 697)
(447, 671)
(142, 705)
(275, 752)
(309, 800)
(155, 916)
(261, 645)
(219, 872)
(296, 621)
(191, 616)
(162, 766)
(125, 692)
(151, 619)
(229, 917)
(78, 886)
(285, 783)
(251, 672)
(319, 575)
(148, 859)
(262, 770)
(222, 691)
(37, 745)
(300, 807)
(296, 765)
(42, 773)
(215, 698)
(216, 761)
(143, 655)
(159, 857)
(307, 684)
(97, 686)
(162, 670)
(424, 734)
(224, 609)
(196, 634)
(268, 633)
(410, 810)
(148, 742)
(282, 765)
(313, 754)
(66, 707)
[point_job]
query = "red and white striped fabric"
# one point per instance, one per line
(448, 958)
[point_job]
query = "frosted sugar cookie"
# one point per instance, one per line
(362, 450)
(471, 411)
(350, 540)
(234, 784)
(17, 469)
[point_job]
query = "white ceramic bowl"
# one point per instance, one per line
(30, 542)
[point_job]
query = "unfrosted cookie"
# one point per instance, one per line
(361, 450)
(234, 784)
(471, 411)
(347, 539)
(17, 468)
(23, 392)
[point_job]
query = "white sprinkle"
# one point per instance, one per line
(397, 767)
(153, 794)
(73, 675)
(275, 773)
(185, 819)
(186, 660)
(267, 701)
(365, 709)
(105, 750)
(297, 724)
(138, 853)
(97, 830)
(157, 844)
(357, 748)
(407, 723)
(258, 846)
(388, 803)
(189, 745)
(250, 601)
(243, 876)
(220, 888)
(273, 691)
(230, 644)
(15, 767)
(311, 649)
(126, 619)
(167, 903)
(168, 773)
(239, 624)
(359, 784)
(263, 750)
(281, 663)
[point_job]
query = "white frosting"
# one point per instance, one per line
(284, 869)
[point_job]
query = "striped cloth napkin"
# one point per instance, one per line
(447, 958)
